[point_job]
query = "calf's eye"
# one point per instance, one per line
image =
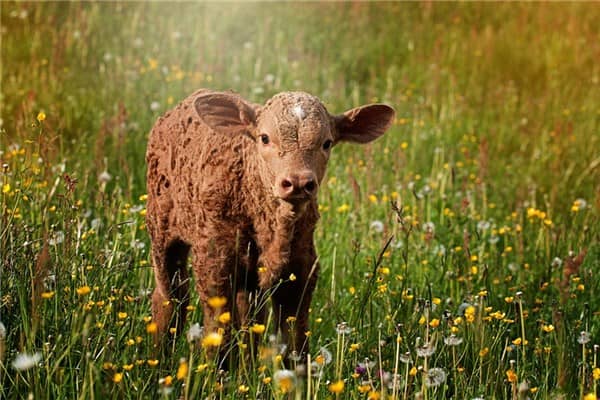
(264, 139)
(327, 144)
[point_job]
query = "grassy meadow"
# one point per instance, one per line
(460, 254)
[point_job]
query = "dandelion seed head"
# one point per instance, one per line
(269, 79)
(556, 262)
(285, 380)
(435, 377)
(24, 361)
(194, 333)
(376, 226)
(343, 329)
(426, 350)
(483, 226)
(453, 340)
(584, 337)
(104, 177)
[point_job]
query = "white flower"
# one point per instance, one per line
(269, 78)
(25, 361)
(58, 238)
(96, 223)
(194, 333)
(483, 226)
(429, 227)
(107, 57)
(426, 350)
(557, 262)
(138, 42)
(435, 377)
(2, 331)
(285, 380)
(494, 239)
(376, 226)
(104, 177)
(453, 340)
(405, 358)
(343, 329)
(580, 203)
(584, 337)
(397, 244)
(176, 35)
(327, 356)
(154, 106)
(137, 208)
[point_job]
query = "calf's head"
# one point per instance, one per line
(293, 135)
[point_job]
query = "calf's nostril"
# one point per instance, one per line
(310, 186)
(286, 183)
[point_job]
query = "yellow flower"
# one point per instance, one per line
(483, 352)
(213, 339)
(152, 363)
(201, 367)
(117, 377)
(47, 295)
(152, 327)
(292, 277)
(243, 388)
(6, 188)
(413, 371)
(434, 323)
(596, 373)
(470, 314)
(336, 387)
(343, 208)
(217, 302)
(373, 395)
(511, 376)
(285, 380)
(82, 291)
(167, 380)
(590, 396)
(128, 367)
(225, 317)
(258, 329)
(364, 388)
(548, 328)
(373, 198)
(122, 315)
(41, 116)
(182, 371)
(404, 145)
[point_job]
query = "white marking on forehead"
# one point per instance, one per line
(299, 112)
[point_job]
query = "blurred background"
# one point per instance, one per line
(519, 76)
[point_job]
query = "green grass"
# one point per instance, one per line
(497, 138)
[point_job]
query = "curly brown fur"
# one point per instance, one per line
(236, 184)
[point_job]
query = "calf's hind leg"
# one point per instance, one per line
(170, 295)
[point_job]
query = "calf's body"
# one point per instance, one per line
(235, 183)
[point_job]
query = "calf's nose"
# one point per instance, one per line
(298, 184)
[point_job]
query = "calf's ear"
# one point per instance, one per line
(364, 124)
(224, 112)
